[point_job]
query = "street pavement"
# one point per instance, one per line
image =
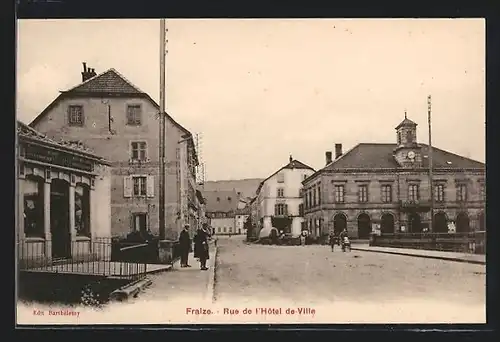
(355, 286)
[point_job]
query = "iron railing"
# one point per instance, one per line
(83, 256)
(470, 242)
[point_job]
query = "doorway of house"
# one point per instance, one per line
(415, 223)
(339, 223)
(140, 223)
(59, 219)
(364, 226)
(387, 224)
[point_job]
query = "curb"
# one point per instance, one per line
(477, 262)
(210, 291)
(131, 290)
(166, 269)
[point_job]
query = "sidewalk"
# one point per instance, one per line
(189, 283)
(451, 256)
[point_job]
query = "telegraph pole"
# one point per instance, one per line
(161, 192)
(431, 183)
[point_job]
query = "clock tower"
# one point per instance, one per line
(408, 152)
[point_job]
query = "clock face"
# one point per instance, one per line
(411, 154)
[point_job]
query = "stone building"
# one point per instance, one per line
(63, 198)
(120, 122)
(387, 187)
(279, 199)
(221, 208)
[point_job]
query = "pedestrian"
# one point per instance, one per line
(201, 247)
(185, 246)
(332, 240)
(303, 238)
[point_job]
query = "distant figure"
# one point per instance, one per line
(342, 235)
(201, 247)
(332, 241)
(185, 246)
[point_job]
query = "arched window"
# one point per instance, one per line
(33, 207)
(82, 210)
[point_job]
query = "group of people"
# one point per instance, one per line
(200, 240)
(342, 240)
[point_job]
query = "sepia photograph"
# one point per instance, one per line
(250, 171)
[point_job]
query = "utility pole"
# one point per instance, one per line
(431, 183)
(161, 192)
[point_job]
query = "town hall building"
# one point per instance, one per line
(386, 186)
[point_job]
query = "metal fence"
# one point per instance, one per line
(471, 242)
(84, 257)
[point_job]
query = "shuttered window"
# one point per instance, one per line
(138, 186)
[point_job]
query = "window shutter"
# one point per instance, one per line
(127, 186)
(150, 186)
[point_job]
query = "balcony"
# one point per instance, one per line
(415, 206)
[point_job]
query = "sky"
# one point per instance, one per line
(260, 90)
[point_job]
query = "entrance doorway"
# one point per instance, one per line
(339, 223)
(440, 224)
(463, 224)
(364, 226)
(387, 224)
(415, 223)
(59, 219)
(140, 223)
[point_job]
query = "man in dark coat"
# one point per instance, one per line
(201, 247)
(185, 246)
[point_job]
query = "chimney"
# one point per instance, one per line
(338, 150)
(328, 155)
(87, 72)
(291, 159)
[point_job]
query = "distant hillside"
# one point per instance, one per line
(246, 187)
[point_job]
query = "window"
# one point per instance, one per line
(413, 193)
(409, 136)
(314, 203)
(82, 210)
(229, 199)
(363, 193)
(462, 193)
(439, 193)
(218, 230)
(218, 199)
(280, 209)
(386, 193)
(134, 115)
(301, 210)
(319, 193)
(224, 229)
(281, 192)
(33, 207)
(230, 229)
(138, 150)
(75, 115)
(310, 199)
(139, 186)
(281, 177)
(482, 192)
(339, 194)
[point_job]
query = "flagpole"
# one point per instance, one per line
(161, 194)
(431, 182)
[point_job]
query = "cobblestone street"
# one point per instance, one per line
(408, 288)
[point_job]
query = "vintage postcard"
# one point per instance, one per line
(174, 171)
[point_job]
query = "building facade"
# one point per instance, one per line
(279, 199)
(387, 187)
(63, 197)
(221, 208)
(120, 122)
